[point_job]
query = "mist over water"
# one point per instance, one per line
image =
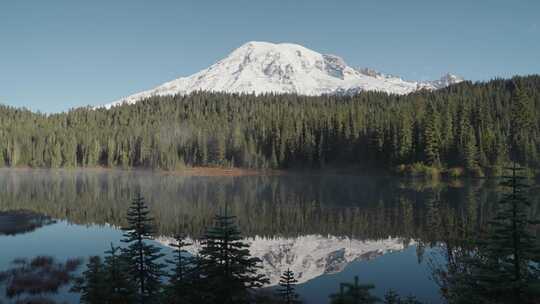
(363, 207)
(327, 227)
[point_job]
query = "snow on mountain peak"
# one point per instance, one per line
(263, 67)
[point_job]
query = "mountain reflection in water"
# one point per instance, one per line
(359, 207)
(309, 256)
(318, 225)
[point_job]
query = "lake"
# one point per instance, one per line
(327, 228)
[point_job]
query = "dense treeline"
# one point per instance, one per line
(475, 126)
(267, 206)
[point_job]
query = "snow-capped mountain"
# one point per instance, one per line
(309, 256)
(263, 67)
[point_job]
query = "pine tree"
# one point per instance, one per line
(118, 287)
(287, 291)
(432, 137)
(229, 269)
(405, 138)
(505, 266)
(141, 257)
(180, 279)
(92, 284)
(522, 119)
(354, 293)
(470, 151)
(511, 250)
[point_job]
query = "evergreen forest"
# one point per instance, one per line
(468, 128)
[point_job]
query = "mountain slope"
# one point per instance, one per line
(262, 67)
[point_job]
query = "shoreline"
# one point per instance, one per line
(193, 171)
(239, 172)
(211, 171)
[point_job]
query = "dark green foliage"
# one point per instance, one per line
(432, 137)
(477, 126)
(119, 288)
(286, 291)
(502, 266)
(522, 121)
(180, 287)
(510, 253)
(228, 270)
(92, 284)
(141, 257)
(354, 293)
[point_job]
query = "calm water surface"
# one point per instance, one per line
(326, 228)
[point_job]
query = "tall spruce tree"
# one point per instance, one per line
(511, 250)
(229, 270)
(405, 135)
(503, 267)
(92, 284)
(118, 289)
(432, 136)
(522, 120)
(470, 151)
(141, 257)
(287, 291)
(180, 282)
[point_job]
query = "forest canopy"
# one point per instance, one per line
(475, 126)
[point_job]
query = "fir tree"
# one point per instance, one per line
(141, 257)
(180, 279)
(405, 138)
(522, 119)
(511, 251)
(92, 284)
(287, 291)
(118, 288)
(432, 137)
(470, 151)
(226, 264)
(503, 268)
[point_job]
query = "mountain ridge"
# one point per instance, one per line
(286, 68)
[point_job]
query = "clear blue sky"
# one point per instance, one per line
(59, 54)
